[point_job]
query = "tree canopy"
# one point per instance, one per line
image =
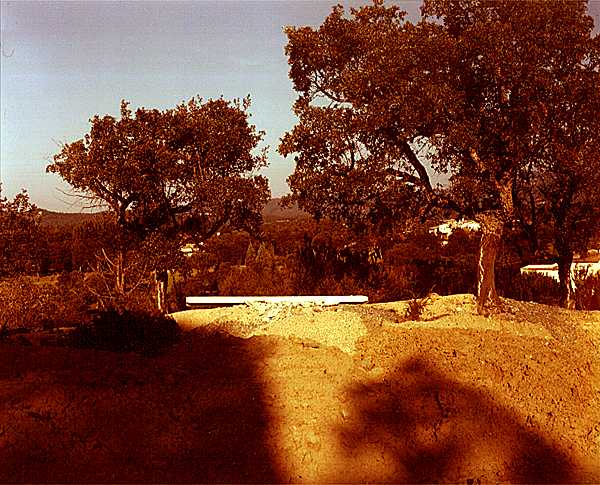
(191, 167)
(564, 189)
(19, 230)
(383, 102)
(187, 171)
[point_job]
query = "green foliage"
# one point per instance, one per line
(587, 294)
(184, 168)
(165, 175)
(502, 95)
(531, 287)
(59, 250)
(19, 236)
(262, 274)
(37, 303)
(416, 306)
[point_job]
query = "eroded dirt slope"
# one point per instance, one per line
(340, 394)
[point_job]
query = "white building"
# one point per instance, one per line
(189, 249)
(578, 270)
(445, 229)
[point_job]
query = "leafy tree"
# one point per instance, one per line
(463, 91)
(568, 169)
(19, 228)
(169, 175)
(57, 248)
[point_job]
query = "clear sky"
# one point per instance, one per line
(63, 62)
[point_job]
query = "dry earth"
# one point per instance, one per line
(311, 394)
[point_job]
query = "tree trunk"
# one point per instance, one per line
(566, 293)
(161, 279)
(492, 227)
(120, 273)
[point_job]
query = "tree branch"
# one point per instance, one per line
(417, 165)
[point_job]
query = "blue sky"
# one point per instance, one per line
(63, 62)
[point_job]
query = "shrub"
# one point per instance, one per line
(587, 294)
(103, 296)
(416, 306)
(128, 331)
(37, 303)
(399, 282)
(255, 280)
(533, 287)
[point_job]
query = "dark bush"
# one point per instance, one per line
(528, 287)
(416, 306)
(103, 296)
(128, 331)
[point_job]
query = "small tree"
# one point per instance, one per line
(169, 175)
(19, 231)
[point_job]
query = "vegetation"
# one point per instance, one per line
(499, 97)
(36, 303)
(126, 331)
(465, 90)
(166, 176)
(19, 230)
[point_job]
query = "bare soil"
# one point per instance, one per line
(311, 394)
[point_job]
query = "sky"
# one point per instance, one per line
(63, 62)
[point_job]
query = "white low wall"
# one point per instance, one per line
(297, 300)
(551, 270)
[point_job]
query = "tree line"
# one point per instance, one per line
(502, 98)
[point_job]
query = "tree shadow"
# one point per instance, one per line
(194, 414)
(436, 429)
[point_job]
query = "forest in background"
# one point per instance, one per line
(65, 277)
(501, 98)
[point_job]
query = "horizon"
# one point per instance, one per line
(64, 62)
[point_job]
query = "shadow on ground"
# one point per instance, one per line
(426, 427)
(195, 414)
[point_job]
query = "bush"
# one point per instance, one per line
(103, 296)
(416, 306)
(255, 280)
(587, 294)
(128, 331)
(38, 303)
(530, 287)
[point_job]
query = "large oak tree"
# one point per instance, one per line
(467, 86)
(166, 175)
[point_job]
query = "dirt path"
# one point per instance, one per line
(343, 394)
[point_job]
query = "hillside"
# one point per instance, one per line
(272, 212)
(310, 394)
(62, 219)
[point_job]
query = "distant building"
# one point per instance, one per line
(189, 249)
(578, 269)
(445, 229)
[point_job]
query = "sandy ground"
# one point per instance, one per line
(311, 394)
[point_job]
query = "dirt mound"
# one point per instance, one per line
(338, 326)
(310, 394)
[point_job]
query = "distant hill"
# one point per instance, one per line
(272, 212)
(62, 219)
